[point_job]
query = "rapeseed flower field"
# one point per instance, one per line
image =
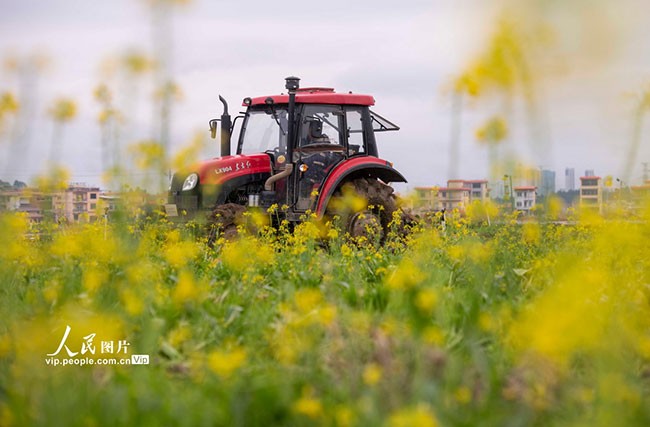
(537, 323)
(484, 319)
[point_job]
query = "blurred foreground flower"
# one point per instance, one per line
(225, 362)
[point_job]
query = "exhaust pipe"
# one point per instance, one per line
(226, 125)
(268, 185)
(291, 84)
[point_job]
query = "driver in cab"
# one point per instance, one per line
(318, 163)
(315, 134)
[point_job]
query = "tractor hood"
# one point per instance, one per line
(223, 169)
(209, 183)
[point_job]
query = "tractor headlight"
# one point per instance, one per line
(190, 182)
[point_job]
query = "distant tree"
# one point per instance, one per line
(19, 185)
(569, 196)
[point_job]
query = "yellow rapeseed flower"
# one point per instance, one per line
(463, 395)
(485, 322)
(344, 416)
(326, 315)
(63, 110)
(8, 104)
(332, 233)
(71, 245)
(433, 335)
(246, 253)
(307, 299)
(7, 417)
(568, 317)
(225, 363)
(93, 278)
(555, 205)
(479, 252)
(187, 289)
(426, 300)
(52, 290)
(179, 254)
(346, 251)
(133, 303)
(179, 335)
(531, 232)
(372, 374)
(456, 253)
(420, 416)
(190, 153)
(56, 180)
(349, 202)
(147, 154)
(5, 345)
(493, 131)
(308, 405)
(142, 273)
(406, 276)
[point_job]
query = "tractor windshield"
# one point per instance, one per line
(264, 129)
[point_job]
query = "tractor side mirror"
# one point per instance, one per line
(213, 128)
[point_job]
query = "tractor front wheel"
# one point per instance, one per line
(223, 222)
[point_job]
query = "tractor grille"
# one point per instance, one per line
(187, 201)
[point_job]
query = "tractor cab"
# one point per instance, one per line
(328, 129)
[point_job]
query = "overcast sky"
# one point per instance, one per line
(403, 53)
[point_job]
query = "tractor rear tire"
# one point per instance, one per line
(374, 219)
(223, 222)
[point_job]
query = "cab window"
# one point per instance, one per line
(321, 124)
(354, 130)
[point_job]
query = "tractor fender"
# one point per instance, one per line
(357, 167)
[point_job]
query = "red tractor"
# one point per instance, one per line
(302, 150)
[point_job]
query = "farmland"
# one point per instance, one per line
(461, 324)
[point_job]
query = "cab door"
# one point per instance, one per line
(321, 145)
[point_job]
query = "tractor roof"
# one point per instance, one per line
(317, 95)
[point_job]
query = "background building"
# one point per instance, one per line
(426, 199)
(525, 198)
(569, 179)
(32, 203)
(77, 202)
(454, 196)
(591, 193)
(458, 194)
(547, 185)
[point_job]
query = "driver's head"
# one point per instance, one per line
(315, 129)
